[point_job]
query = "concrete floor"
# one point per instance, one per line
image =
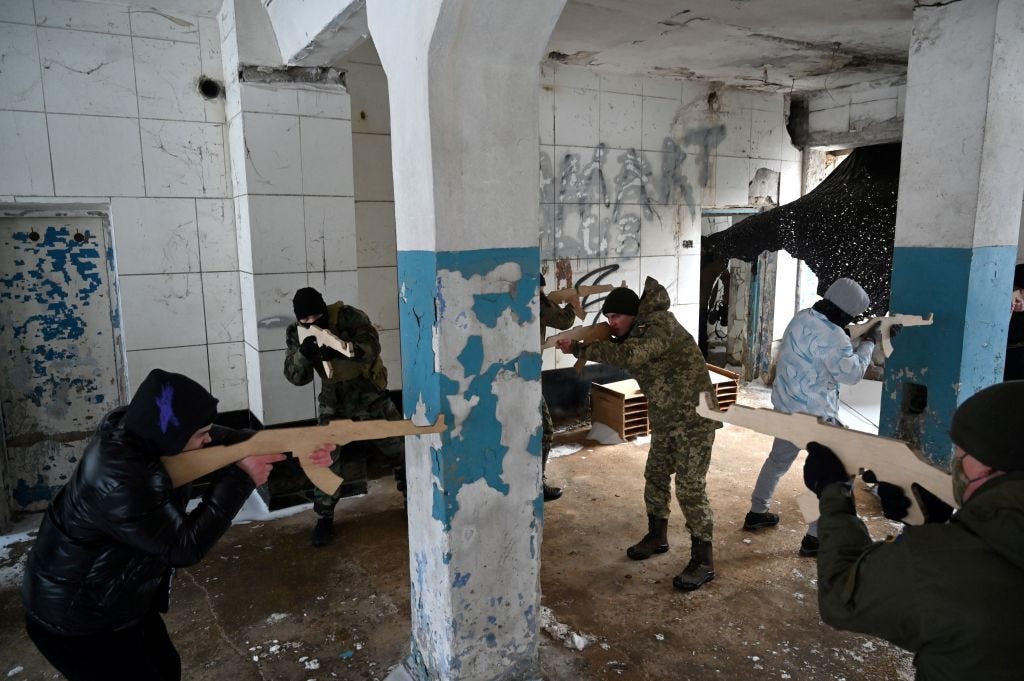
(264, 605)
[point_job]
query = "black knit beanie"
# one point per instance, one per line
(308, 302)
(621, 300)
(167, 410)
(987, 426)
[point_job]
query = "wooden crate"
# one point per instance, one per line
(620, 406)
(623, 407)
(727, 385)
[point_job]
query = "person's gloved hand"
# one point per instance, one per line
(895, 502)
(310, 350)
(875, 334)
(934, 509)
(822, 468)
(327, 353)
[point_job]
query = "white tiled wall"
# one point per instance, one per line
(667, 151)
(99, 103)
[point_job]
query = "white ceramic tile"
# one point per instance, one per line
(168, 73)
(767, 130)
(736, 141)
(829, 99)
(836, 119)
(621, 236)
(26, 150)
(282, 401)
(628, 271)
(576, 77)
(663, 268)
(151, 23)
(789, 184)
(18, 11)
(732, 179)
(577, 117)
(658, 118)
(88, 73)
(628, 85)
(620, 126)
(272, 152)
(659, 233)
(546, 216)
(378, 295)
(183, 158)
(632, 178)
(391, 354)
(218, 243)
(95, 156)
(209, 44)
(688, 316)
(162, 310)
(790, 152)
(222, 299)
(190, 361)
(154, 236)
(371, 165)
(228, 376)
(232, 87)
(368, 87)
(581, 174)
(270, 98)
(546, 115)
(768, 102)
(87, 16)
(342, 286)
(330, 232)
(237, 156)
(243, 233)
(274, 311)
(375, 231)
(662, 88)
(253, 381)
(688, 284)
(250, 324)
(326, 156)
(21, 85)
(695, 95)
(676, 175)
(327, 101)
(577, 231)
(277, 234)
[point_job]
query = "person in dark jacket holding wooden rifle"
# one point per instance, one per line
(100, 571)
(951, 590)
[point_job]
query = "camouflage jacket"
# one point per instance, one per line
(556, 317)
(663, 358)
(349, 324)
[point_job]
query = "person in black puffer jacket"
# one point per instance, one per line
(99, 574)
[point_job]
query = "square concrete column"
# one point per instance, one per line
(463, 83)
(959, 213)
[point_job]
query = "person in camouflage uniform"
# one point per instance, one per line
(357, 390)
(664, 359)
(557, 318)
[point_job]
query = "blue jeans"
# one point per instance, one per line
(779, 460)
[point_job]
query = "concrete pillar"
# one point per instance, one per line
(961, 185)
(463, 82)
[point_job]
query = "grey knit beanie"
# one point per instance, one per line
(848, 296)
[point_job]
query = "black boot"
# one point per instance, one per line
(551, 493)
(655, 541)
(323, 531)
(701, 568)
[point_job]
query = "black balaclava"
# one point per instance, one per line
(167, 410)
(308, 301)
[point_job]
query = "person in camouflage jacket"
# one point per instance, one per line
(664, 359)
(357, 390)
(557, 318)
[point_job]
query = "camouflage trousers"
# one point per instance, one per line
(687, 454)
(547, 432)
(358, 400)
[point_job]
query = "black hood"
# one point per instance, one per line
(167, 410)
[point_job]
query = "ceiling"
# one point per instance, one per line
(778, 45)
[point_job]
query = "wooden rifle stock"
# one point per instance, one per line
(301, 442)
(892, 461)
(587, 334)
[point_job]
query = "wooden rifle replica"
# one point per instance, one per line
(587, 334)
(301, 442)
(325, 339)
(892, 461)
(563, 295)
(886, 327)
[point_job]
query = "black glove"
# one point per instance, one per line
(327, 353)
(875, 334)
(895, 502)
(822, 468)
(894, 330)
(934, 509)
(310, 350)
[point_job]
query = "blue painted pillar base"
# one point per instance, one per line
(470, 351)
(933, 369)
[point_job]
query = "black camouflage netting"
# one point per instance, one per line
(844, 227)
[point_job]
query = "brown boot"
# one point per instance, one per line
(701, 568)
(655, 541)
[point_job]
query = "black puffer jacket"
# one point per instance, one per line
(111, 537)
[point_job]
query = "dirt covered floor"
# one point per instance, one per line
(264, 605)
